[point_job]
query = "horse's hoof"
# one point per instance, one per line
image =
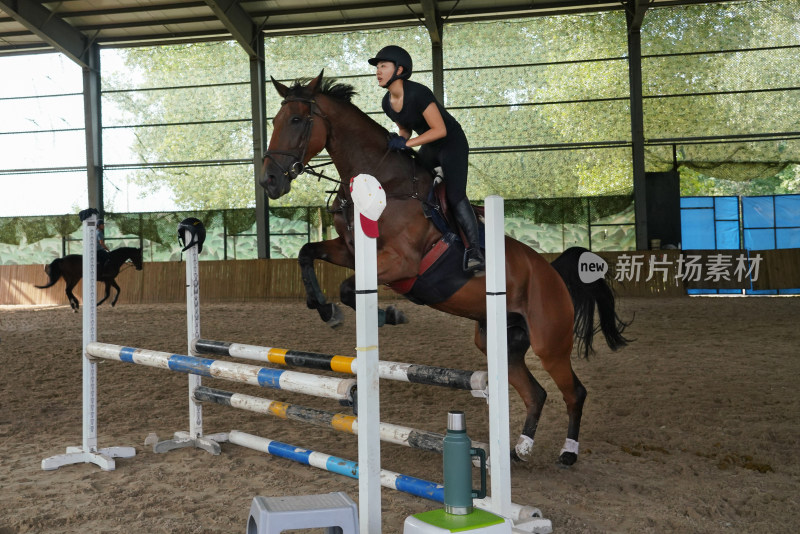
(515, 459)
(325, 311)
(567, 459)
(395, 316)
(331, 314)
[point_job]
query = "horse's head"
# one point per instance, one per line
(296, 136)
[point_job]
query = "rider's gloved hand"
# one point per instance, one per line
(397, 142)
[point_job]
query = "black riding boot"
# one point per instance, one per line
(473, 256)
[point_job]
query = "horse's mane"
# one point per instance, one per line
(339, 91)
(330, 87)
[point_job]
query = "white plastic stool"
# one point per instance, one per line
(273, 515)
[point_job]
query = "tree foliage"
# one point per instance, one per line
(523, 89)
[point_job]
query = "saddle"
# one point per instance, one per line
(437, 201)
(440, 272)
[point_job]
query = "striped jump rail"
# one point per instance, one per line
(390, 433)
(476, 381)
(341, 389)
(389, 479)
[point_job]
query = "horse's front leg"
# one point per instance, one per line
(333, 251)
(391, 315)
(107, 293)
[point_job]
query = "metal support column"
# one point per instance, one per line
(93, 128)
(259, 115)
(635, 14)
(434, 24)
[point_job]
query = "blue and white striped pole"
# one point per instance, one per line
(388, 479)
(340, 389)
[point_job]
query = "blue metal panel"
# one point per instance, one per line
(787, 211)
(697, 229)
(761, 291)
(759, 239)
(788, 238)
(726, 208)
(758, 212)
(697, 202)
(727, 234)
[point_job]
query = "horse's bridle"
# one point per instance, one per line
(297, 167)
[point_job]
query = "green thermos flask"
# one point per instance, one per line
(458, 453)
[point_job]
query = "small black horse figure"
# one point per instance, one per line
(70, 267)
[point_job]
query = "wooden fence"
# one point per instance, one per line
(640, 274)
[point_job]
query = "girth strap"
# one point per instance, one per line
(404, 286)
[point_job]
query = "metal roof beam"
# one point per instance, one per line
(432, 21)
(126, 10)
(50, 28)
(636, 10)
(238, 22)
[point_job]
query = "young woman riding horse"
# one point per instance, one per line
(541, 314)
(440, 137)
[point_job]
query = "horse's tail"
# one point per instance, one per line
(587, 297)
(53, 272)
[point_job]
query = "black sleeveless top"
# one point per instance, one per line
(416, 98)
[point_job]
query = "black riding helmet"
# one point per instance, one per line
(197, 233)
(399, 57)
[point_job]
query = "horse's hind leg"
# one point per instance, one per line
(73, 301)
(391, 315)
(520, 377)
(556, 361)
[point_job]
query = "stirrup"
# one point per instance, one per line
(474, 261)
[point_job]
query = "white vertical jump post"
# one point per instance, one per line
(192, 234)
(497, 353)
(88, 452)
(368, 399)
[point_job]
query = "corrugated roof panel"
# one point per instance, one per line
(129, 22)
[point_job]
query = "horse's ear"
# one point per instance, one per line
(282, 89)
(314, 84)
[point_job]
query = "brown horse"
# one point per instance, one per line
(541, 313)
(70, 268)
